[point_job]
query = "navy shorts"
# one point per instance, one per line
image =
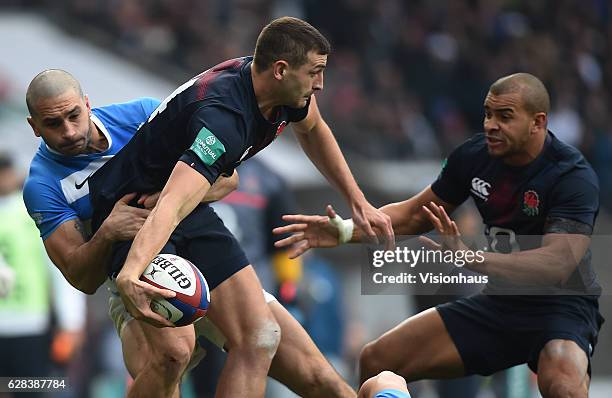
(493, 333)
(202, 239)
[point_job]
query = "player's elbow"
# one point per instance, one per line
(86, 286)
(230, 184)
(566, 271)
(567, 263)
(83, 283)
(89, 290)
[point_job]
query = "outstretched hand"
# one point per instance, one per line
(446, 228)
(307, 232)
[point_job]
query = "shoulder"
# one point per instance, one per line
(40, 186)
(474, 145)
(570, 162)
(134, 111)
(219, 78)
(43, 172)
(474, 149)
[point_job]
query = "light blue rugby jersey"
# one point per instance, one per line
(391, 393)
(56, 189)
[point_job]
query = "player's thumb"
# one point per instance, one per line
(127, 198)
(331, 213)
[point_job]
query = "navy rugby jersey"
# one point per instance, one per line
(515, 202)
(212, 122)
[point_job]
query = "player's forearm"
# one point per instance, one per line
(150, 240)
(323, 150)
(85, 268)
(182, 193)
(541, 266)
(407, 217)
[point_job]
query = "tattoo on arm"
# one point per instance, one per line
(560, 225)
(79, 226)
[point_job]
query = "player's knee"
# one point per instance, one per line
(564, 389)
(369, 360)
(267, 337)
(258, 340)
(172, 358)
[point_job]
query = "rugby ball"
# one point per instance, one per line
(169, 271)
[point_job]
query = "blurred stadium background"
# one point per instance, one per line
(404, 85)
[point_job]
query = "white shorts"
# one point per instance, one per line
(203, 327)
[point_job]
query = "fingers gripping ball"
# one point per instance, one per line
(169, 271)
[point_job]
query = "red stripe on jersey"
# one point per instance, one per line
(207, 77)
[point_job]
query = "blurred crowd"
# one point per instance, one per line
(407, 78)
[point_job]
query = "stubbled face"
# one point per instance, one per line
(301, 82)
(63, 123)
(507, 125)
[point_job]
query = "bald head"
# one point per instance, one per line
(531, 90)
(48, 84)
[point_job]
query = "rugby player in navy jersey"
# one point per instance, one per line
(524, 181)
(77, 141)
(205, 129)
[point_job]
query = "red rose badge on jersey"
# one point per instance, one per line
(531, 203)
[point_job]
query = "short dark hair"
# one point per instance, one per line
(50, 83)
(533, 93)
(289, 39)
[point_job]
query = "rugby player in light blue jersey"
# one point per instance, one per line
(77, 140)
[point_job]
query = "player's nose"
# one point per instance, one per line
(490, 124)
(318, 83)
(69, 133)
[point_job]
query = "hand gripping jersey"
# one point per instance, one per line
(212, 123)
(57, 187)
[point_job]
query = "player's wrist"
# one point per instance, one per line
(106, 233)
(345, 228)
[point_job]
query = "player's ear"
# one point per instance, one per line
(86, 98)
(33, 125)
(279, 69)
(539, 121)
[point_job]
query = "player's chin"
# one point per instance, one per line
(301, 102)
(497, 150)
(71, 151)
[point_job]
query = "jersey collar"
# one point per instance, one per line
(103, 129)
